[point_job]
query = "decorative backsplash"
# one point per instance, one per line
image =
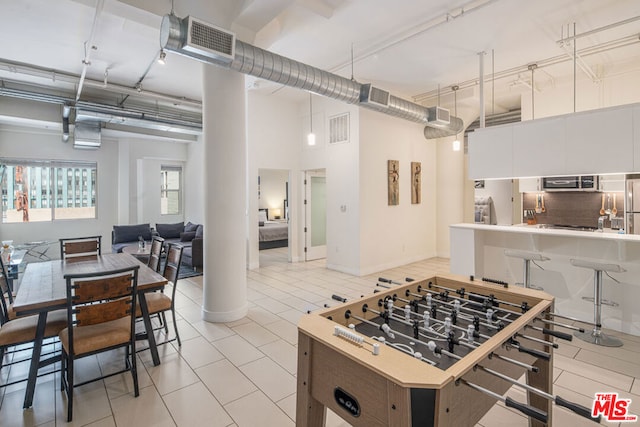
(580, 208)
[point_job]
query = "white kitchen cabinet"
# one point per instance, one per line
(600, 141)
(491, 152)
(528, 185)
(610, 183)
(539, 147)
(603, 141)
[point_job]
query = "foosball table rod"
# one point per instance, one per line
(529, 411)
(469, 343)
(463, 292)
(574, 407)
(562, 325)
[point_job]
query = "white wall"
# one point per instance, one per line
(274, 142)
(500, 191)
(557, 98)
(454, 190)
(273, 190)
(120, 160)
(145, 159)
(394, 235)
(193, 176)
(31, 143)
(341, 164)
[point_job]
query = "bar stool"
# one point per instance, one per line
(527, 257)
(597, 336)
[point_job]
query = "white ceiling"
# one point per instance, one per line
(414, 48)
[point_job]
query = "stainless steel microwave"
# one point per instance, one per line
(570, 183)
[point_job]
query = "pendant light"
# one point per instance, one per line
(456, 142)
(311, 138)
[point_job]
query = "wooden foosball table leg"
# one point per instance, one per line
(309, 411)
(541, 380)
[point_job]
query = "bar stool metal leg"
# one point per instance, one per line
(527, 276)
(596, 336)
(527, 258)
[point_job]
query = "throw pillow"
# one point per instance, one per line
(190, 226)
(187, 236)
(130, 233)
(262, 216)
(200, 232)
(170, 231)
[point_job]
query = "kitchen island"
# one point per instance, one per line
(478, 250)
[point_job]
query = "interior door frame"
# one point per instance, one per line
(311, 252)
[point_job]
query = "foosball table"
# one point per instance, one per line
(440, 351)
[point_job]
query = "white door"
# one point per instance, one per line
(315, 215)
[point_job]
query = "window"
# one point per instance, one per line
(170, 190)
(44, 190)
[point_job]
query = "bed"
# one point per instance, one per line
(271, 234)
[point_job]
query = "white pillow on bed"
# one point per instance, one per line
(262, 216)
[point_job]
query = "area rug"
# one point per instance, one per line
(187, 271)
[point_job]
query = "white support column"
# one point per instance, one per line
(224, 188)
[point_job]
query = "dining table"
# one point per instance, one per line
(43, 289)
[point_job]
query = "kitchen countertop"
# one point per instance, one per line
(607, 234)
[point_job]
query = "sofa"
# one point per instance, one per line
(188, 235)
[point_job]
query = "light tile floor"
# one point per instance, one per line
(243, 373)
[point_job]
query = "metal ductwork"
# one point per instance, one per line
(176, 36)
(74, 113)
(66, 112)
(130, 117)
(512, 116)
(87, 135)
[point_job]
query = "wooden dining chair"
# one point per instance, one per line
(4, 272)
(80, 248)
(99, 314)
(16, 331)
(155, 254)
(159, 302)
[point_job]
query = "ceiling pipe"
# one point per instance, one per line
(555, 60)
(88, 47)
(131, 116)
(575, 36)
(236, 55)
(417, 30)
(61, 76)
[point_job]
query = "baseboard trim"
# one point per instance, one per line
(224, 316)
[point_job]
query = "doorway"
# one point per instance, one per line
(315, 204)
(273, 216)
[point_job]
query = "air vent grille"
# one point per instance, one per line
(210, 41)
(439, 115)
(339, 128)
(374, 96)
(211, 38)
(443, 115)
(379, 96)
